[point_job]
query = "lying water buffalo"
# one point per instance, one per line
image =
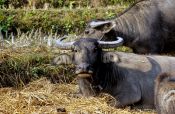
(148, 26)
(165, 93)
(126, 76)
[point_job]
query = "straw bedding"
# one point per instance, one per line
(41, 96)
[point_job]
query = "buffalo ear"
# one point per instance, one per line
(104, 26)
(108, 57)
(63, 59)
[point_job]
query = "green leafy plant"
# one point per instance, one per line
(6, 22)
(60, 21)
(3, 3)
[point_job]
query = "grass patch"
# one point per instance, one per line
(22, 65)
(61, 21)
(60, 3)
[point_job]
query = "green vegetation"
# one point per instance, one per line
(70, 17)
(59, 21)
(6, 22)
(62, 3)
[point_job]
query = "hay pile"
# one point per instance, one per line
(41, 96)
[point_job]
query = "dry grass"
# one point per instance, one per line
(41, 96)
(28, 56)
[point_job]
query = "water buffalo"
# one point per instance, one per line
(165, 93)
(148, 26)
(127, 77)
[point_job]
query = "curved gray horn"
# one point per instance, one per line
(64, 45)
(94, 24)
(111, 44)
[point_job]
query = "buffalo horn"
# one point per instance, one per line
(111, 44)
(64, 45)
(94, 24)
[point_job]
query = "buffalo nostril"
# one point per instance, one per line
(86, 31)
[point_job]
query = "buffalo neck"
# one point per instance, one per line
(108, 75)
(132, 24)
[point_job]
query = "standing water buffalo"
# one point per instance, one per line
(126, 76)
(165, 93)
(148, 26)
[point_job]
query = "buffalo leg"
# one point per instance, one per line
(128, 96)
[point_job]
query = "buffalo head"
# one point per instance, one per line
(86, 54)
(103, 30)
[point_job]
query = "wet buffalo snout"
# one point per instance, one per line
(84, 68)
